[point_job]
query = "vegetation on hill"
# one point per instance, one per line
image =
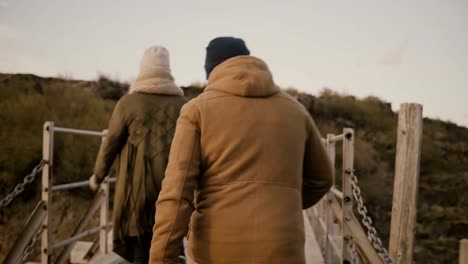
(442, 216)
(27, 101)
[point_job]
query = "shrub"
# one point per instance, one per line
(110, 89)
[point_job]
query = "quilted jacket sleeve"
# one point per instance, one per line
(175, 203)
(113, 143)
(317, 171)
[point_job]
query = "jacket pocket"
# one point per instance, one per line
(137, 131)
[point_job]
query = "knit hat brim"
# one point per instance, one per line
(221, 49)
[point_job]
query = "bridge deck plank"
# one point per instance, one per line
(312, 249)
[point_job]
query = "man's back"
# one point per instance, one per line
(249, 205)
(248, 145)
(243, 136)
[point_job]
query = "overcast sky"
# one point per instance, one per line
(400, 51)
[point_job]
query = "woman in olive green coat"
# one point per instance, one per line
(139, 138)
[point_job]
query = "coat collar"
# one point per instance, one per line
(245, 76)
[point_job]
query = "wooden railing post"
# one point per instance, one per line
(463, 254)
(347, 204)
(405, 191)
(104, 214)
(48, 157)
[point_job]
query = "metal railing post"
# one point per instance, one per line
(104, 214)
(48, 157)
(347, 203)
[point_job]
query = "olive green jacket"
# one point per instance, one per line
(139, 138)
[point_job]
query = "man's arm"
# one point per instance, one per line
(175, 202)
(317, 173)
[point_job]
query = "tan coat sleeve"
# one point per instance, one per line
(317, 173)
(113, 143)
(175, 202)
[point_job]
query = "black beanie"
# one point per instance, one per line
(221, 49)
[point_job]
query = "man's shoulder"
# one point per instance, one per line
(289, 99)
(209, 95)
(130, 99)
(203, 98)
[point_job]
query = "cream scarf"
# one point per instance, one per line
(156, 82)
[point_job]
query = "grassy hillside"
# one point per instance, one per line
(26, 101)
(442, 217)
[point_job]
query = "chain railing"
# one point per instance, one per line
(20, 187)
(38, 226)
(352, 249)
(30, 248)
(359, 244)
(367, 221)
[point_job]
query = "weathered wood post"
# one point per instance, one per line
(405, 191)
(48, 157)
(347, 203)
(463, 254)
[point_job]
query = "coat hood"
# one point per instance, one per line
(245, 76)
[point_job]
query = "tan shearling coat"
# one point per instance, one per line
(251, 158)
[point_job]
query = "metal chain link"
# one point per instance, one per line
(30, 248)
(20, 187)
(367, 221)
(352, 249)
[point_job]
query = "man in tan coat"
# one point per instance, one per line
(245, 161)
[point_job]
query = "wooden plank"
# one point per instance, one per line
(334, 249)
(463, 254)
(405, 190)
(368, 253)
(324, 213)
(31, 228)
(322, 207)
(79, 251)
(312, 250)
(98, 200)
(317, 225)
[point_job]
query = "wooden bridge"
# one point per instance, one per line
(333, 232)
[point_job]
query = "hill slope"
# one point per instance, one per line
(26, 101)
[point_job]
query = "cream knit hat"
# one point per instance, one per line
(155, 74)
